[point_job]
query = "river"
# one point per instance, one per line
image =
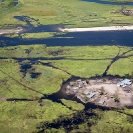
(122, 38)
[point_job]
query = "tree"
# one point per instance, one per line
(102, 91)
(116, 98)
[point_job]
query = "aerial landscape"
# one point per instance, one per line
(66, 66)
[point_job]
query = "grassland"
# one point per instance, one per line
(73, 12)
(33, 35)
(46, 68)
(53, 66)
(120, 1)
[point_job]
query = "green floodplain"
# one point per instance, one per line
(49, 67)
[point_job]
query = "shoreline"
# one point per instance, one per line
(10, 31)
(109, 28)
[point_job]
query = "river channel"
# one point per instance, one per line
(122, 38)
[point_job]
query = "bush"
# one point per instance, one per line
(102, 91)
(116, 98)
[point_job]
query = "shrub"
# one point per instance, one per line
(116, 98)
(102, 91)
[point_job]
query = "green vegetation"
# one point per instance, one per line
(122, 67)
(33, 35)
(24, 116)
(114, 121)
(119, 1)
(30, 74)
(67, 12)
(116, 98)
(102, 91)
(49, 67)
(73, 105)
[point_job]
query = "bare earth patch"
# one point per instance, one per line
(110, 28)
(101, 92)
(10, 31)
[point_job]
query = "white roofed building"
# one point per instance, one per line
(124, 83)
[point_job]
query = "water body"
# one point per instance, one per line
(122, 38)
(110, 2)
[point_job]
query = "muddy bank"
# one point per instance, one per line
(10, 31)
(96, 29)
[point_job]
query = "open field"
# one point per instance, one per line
(47, 68)
(66, 12)
(32, 75)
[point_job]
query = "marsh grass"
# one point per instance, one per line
(24, 116)
(73, 105)
(60, 63)
(122, 67)
(76, 12)
(113, 121)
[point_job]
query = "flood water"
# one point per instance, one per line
(110, 2)
(123, 38)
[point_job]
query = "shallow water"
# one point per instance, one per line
(122, 38)
(110, 2)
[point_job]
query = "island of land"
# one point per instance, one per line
(102, 91)
(111, 28)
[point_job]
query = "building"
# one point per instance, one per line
(124, 83)
(91, 95)
(101, 101)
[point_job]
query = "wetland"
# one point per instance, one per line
(38, 63)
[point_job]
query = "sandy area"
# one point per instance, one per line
(9, 31)
(113, 89)
(109, 89)
(110, 28)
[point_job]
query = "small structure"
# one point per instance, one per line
(80, 84)
(124, 83)
(101, 101)
(68, 87)
(91, 95)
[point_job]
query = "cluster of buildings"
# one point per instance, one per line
(97, 90)
(125, 84)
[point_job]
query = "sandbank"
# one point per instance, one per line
(10, 31)
(110, 28)
(91, 92)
